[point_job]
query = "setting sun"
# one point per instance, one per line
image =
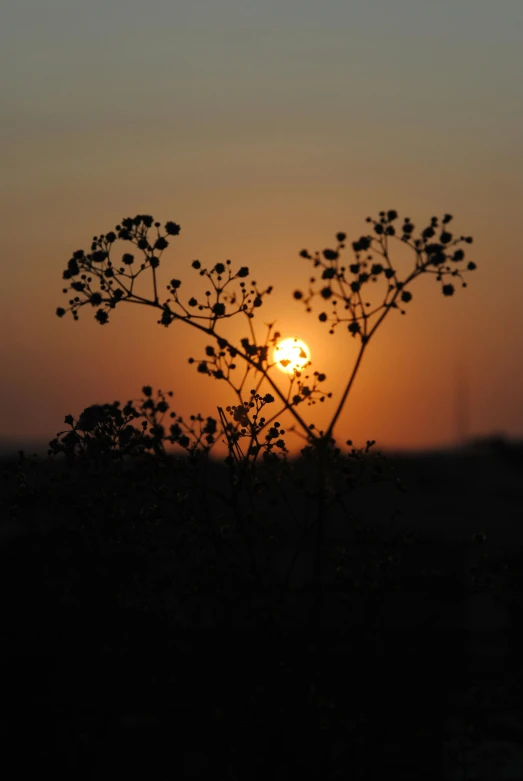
(291, 355)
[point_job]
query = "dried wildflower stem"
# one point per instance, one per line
(341, 285)
(346, 392)
(96, 279)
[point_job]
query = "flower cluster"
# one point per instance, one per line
(108, 431)
(221, 300)
(343, 286)
(221, 364)
(264, 435)
(103, 278)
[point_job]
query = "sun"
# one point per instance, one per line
(291, 355)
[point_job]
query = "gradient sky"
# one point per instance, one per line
(262, 127)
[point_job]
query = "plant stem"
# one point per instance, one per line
(363, 347)
(347, 390)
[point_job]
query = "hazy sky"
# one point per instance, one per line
(262, 127)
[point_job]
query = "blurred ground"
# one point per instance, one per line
(417, 673)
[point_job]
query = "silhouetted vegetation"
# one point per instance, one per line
(338, 601)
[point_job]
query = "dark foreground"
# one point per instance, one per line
(147, 631)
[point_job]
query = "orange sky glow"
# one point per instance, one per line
(263, 135)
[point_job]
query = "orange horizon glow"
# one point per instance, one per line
(263, 131)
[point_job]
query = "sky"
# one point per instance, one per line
(262, 128)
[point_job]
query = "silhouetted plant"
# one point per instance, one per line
(101, 280)
(252, 427)
(344, 287)
(105, 431)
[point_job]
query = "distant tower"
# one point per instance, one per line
(461, 406)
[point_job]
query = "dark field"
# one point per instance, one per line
(152, 626)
